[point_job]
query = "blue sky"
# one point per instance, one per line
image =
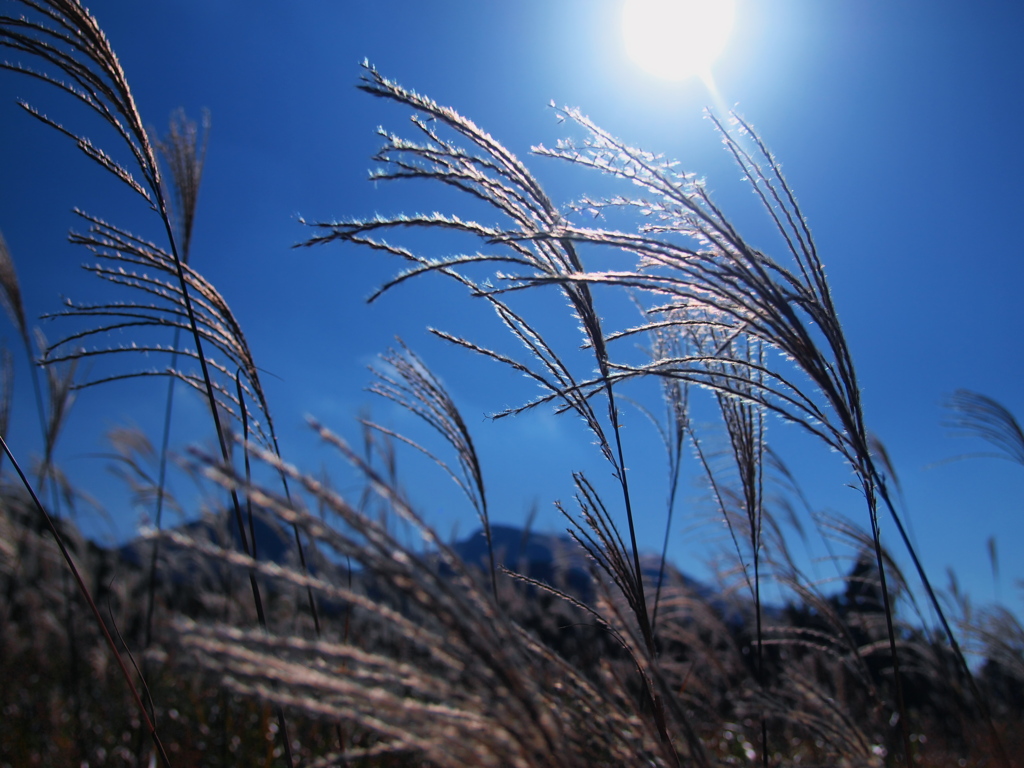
(895, 124)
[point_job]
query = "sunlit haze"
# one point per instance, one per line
(677, 39)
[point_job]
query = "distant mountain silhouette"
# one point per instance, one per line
(513, 545)
(274, 543)
(551, 558)
(557, 558)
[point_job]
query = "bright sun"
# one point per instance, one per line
(677, 39)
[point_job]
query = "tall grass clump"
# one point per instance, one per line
(769, 337)
(390, 651)
(68, 50)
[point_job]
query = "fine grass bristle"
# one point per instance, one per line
(184, 151)
(10, 291)
(977, 415)
(391, 646)
(407, 381)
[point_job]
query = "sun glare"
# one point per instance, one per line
(677, 39)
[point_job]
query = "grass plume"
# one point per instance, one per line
(417, 658)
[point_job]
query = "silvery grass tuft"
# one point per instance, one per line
(433, 664)
(63, 45)
(449, 678)
(405, 379)
(770, 337)
(977, 415)
(67, 49)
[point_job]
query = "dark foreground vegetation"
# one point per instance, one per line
(298, 625)
(825, 679)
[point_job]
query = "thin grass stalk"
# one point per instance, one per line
(161, 490)
(6, 392)
(412, 385)
(642, 615)
(186, 158)
(663, 557)
(250, 551)
(468, 627)
(803, 586)
(59, 387)
(605, 547)
(380, 540)
(87, 595)
(497, 177)
(747, 434)
(186, 172)
(979, 699)
(908, 755)
(673, 435)
(752, 292)
(37, 391)
(106, 90)
(871, 480)
(744, 422)
(10, 295)
(977, 415)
